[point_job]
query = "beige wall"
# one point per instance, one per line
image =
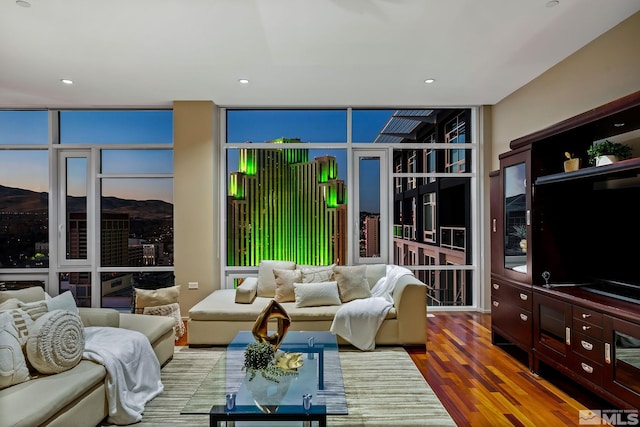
(195, 192)
(602, 71)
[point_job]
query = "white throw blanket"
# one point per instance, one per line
(133, 370)
(358, 321)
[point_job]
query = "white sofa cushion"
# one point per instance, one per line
(316, 274)
(56, 342)
(352, 282)
(13, 366)
(284, 284)
(316, 294)
(32, 294)
(266, 279)
(169, 310)
(155, 297)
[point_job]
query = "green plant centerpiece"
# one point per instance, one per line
(262, 357)
(608, 148)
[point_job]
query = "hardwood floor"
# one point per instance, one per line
(484, 385)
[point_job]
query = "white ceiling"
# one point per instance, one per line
(147, 53)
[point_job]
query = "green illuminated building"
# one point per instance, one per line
(283, 206)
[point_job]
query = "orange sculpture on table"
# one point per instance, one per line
(260, 330)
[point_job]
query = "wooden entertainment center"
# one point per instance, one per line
(565, 253)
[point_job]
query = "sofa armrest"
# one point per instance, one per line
(99, 317)
(410, 302)
(246, 292)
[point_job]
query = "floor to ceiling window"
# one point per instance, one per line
(107, 224)
(350, 186)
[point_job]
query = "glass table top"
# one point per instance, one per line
(319, 379)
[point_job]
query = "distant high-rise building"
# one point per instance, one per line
(372, 236)
(283, 206)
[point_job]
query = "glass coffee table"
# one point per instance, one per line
(227, 395)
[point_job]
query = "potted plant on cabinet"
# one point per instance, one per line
(607, 152)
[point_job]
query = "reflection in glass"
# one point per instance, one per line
(515, 237)
(627, 363)
(76, 207)
(369, 193)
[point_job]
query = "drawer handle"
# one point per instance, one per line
(567, 335)
(607, 353)
(524, 317)
(586, 345)
(586, 328)
(588, 369)
(524, 297)
(585, 315)
(496, 286)
(496, 303)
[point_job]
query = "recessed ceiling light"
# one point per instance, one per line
(429, 81)
(243, 81)
(23, 3)
(552, 3)
(67, 81)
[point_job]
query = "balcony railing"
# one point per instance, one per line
(453, 238)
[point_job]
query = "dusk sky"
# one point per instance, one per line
(29, 169)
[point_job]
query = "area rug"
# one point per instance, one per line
(383, 387)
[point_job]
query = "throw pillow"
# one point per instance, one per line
(32, 294)
(352, 282)
(9, 304)
(316, 274)
(34, 309)
(155, 297)
(375, 272)
(284, 284)
(22, 322)
(56, 342)
(64, 301)
(266, 279)
(169, 310)
(316, 294)
(13, 366)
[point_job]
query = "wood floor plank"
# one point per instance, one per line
(481, 384)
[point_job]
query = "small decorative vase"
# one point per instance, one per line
(572, 165)
(606, 160)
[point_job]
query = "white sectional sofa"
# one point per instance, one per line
(78, 396)
(217, 318)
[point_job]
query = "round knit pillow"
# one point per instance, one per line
(56, 342)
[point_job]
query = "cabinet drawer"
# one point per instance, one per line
(511, 294)
(588, 347)
(512, 320)
(588, 316)
(588, 369)
(587, 329)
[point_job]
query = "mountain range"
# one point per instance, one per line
(21, 200)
